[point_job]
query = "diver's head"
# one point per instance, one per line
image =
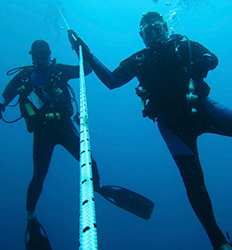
(153, 29)
(40, 52)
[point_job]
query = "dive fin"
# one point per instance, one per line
(36, 237)
(128, 200)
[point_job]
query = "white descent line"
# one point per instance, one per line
(63, 17)
(88, 229)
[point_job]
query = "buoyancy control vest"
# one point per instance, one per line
(164, 76)
(41, 102)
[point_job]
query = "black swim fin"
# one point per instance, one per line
(128, 200)
(36, 237)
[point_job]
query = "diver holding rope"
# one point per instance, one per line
(171, 71)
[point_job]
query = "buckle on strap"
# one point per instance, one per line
(52, 116)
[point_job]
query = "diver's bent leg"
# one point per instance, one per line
(184, 152)
(71, 142)
(42, 151)
(218, 118)
(198, 196)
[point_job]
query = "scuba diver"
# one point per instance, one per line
(46, 104)
(171, 71)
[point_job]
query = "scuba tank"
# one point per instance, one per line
(194, 88)
(11, 72)
(197, 88)
(191, 97)
(31, 101)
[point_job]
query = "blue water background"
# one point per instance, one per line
(129, 150)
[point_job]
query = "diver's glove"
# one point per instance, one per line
(76, 41)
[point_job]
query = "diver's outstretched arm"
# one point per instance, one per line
(112, 80)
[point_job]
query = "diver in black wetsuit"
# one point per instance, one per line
(171, 72)
(46, 104)
(45, 100)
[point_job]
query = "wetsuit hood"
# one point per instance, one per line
(40, 52)
(153, 29)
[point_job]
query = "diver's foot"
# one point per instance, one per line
(225, 247)
(32, 223)
(36, 236)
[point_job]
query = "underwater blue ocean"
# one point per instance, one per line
(128, 148)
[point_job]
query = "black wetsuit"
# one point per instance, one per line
(52, 88)
(164, 72)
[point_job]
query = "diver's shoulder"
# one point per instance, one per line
(139, 53)
(180, 38)
(59, 66)
(137, 56)
(22, 72)
(63, 66)
(177, 38)
(20, 75)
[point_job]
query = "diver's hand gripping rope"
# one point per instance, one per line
(88, 230)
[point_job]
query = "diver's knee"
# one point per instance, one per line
(194, 184)
(191, 172)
